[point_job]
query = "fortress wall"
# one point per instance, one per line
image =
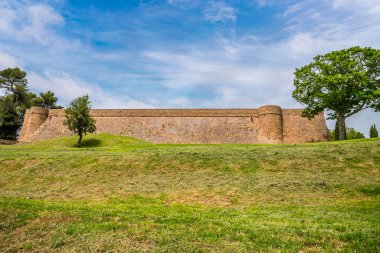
(164, 112)
(268, 124)
(240, 129)
(300, 129)
(33, 119)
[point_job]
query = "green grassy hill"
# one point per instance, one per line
(122, 194)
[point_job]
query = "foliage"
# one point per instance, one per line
(332, 136)
(373, 133)
(47, 100)
(344, 82)
(78, 118)
(10, 120)
(351, 134)
(14, 103)
(17, 100)
(14, 82)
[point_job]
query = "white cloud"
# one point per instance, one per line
(339, 20)
(306, 45)
(8, 61)
(371, 6)
(183, 4)
(38, 19)
(32, 22)
(232, 82)
(7, 17)
(62, 84)
(262, 2)
(219, 12)
(67, 87)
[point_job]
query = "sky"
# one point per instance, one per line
(181, 53)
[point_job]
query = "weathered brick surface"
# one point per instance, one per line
(268, 124)
(300, 129)
(33, 119)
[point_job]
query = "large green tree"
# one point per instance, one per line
(13, 104)
(344, 82)
(10, 120)
(16, 99)
(78, 118)
(13, 80)
(14, 84)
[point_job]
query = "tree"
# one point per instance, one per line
(78, 118)
(47, 100)
(14, 103)
(373, 133)
(336, 131)
(351, 134)
(16, 99)
(344, 82)
(14, 82)
(10, 121)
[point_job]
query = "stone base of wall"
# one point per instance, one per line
(268, 124)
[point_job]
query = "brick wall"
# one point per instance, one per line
(268, 124)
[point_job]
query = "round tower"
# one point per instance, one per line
(270, 124)
(33, 119)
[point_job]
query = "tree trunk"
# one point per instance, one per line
(80, 139)
(336, 131)
(342, 126)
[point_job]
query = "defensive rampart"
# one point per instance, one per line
(267, 124)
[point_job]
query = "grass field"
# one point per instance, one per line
(120, 194)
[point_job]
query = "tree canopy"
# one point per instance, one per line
(344, 82)
(13, 80)
(47, 100)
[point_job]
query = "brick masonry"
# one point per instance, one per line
(267, 124)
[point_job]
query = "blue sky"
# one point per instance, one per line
(180, 53)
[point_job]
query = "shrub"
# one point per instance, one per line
(373, 133)
(350, 132)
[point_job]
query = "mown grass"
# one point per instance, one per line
(122, 194)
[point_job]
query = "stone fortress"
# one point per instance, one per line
(267, 124)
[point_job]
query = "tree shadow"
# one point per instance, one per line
(92, 142)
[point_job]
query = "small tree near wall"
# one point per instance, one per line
(78, 118)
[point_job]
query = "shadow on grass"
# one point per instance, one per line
(89, 143)
(372, 191)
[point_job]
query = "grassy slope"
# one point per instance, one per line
(121, 194)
